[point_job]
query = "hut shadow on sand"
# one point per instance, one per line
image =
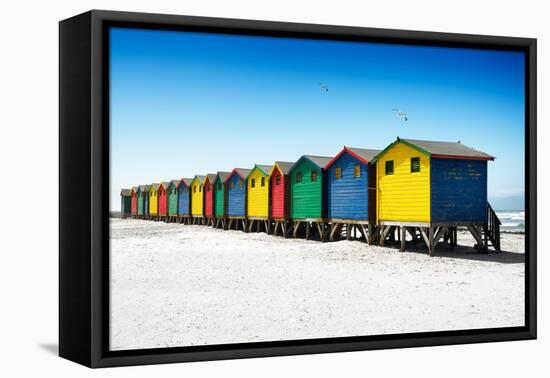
(463, 252)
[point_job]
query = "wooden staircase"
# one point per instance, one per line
(491, 229)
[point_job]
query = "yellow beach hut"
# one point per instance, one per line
(258, 197)
(197, 198)
(154, 200)
(429, 188)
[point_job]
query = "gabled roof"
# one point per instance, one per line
(243, 172)
(125, 192)
(222, 175)
(165, 184)
(154, 186)
(200, 178)
(186, 181)
(265, 169)
(174, 182)
(134, 189)
(211, 177)
(320, 161)
(438, 149)
(362, 154)
(144, 188)
(283, 166)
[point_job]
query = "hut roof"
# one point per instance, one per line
(186, 181)
(200, 178)
(438, 149)
(174, 182)
(125, 192)
(363, 154)
(154, 186)
(211, 177)
(223, 175)
(144, 188)
(134, 189)
(320, 161)
(265, 169)
(243, 172)
(165, 184)
(284, 167)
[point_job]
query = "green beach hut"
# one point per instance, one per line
(219, 199)
(308, 191)
(173, 199)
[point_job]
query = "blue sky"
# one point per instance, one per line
(192, 103)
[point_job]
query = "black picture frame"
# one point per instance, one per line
(84, 189)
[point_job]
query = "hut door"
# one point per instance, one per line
(372, 193)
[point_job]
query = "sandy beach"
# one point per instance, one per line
(175, 285)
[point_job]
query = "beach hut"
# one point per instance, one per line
(133, 201)
(279, 182)
(257, 207)
(154, 201)
(140, 201)
(125, 203)
(163, 200)
(143, 201)
(197, 199)
(220, 199)
(348, 193)
(235, 186)
(209, 198)
(429, 188)
(184, 199)
(173, 200)
(308, 191)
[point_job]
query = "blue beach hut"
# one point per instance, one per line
(347, 188)
(184, 197)
(236, 192)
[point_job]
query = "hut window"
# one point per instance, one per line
(241, 184)
(389, 167)
(313, 176)
(208, 188)
(357, 170)
(252, 183)
(194, 188)
(338, 173)
(219, 186)
(415, 164)
(200, 189)
(231, 184)
(277, 180)
(263, 181)
(298, 177)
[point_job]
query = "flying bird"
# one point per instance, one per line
(324, 87)
(400, 114)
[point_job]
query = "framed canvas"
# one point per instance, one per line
(234, 188)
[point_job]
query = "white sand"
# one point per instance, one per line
(175, 285)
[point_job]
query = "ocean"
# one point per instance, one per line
(512, 220)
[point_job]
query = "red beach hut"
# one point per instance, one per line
(209, 196)
(133, 202)
(279, 181)
(163, 198)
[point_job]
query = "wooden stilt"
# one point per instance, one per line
(403, 238)
(296, 227)
(385, 233)
(430, 238)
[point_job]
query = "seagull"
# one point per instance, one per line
(400, 114)
(324, 87)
